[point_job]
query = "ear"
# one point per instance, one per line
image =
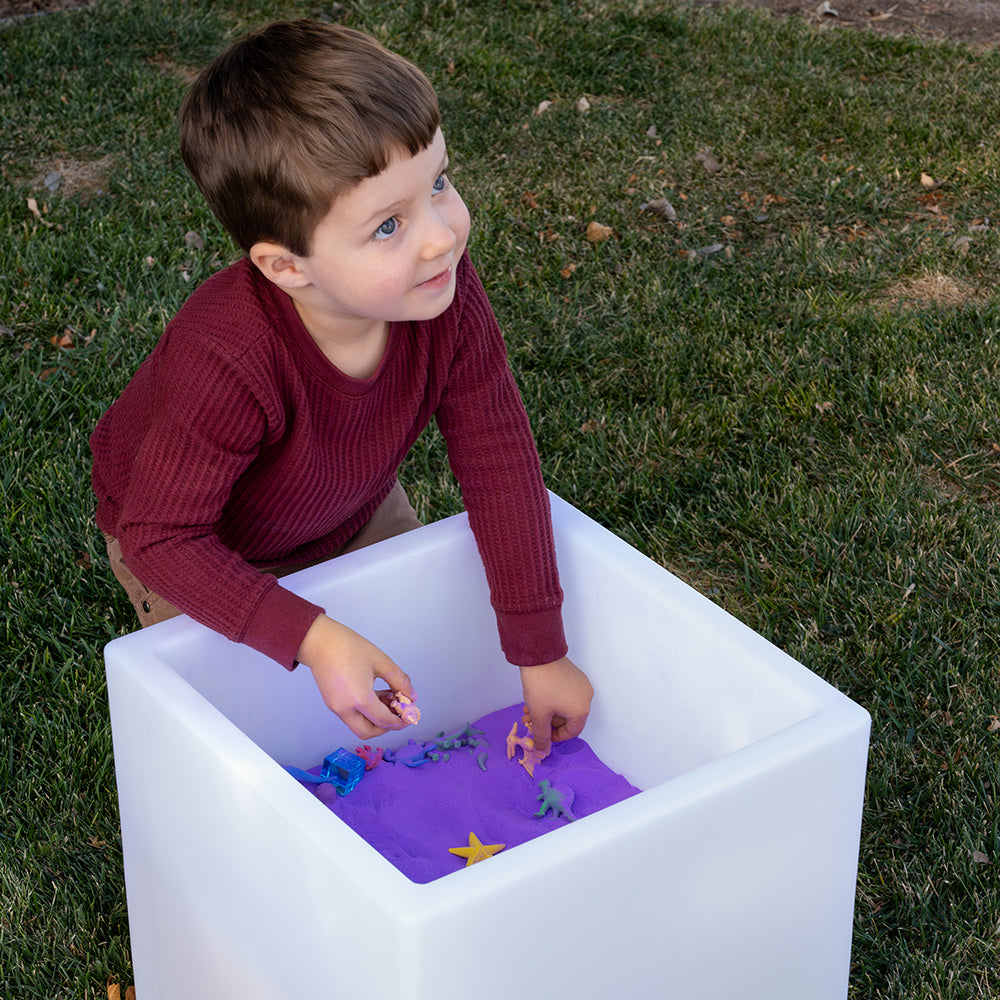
(279, 264)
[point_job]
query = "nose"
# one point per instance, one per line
(440, 237)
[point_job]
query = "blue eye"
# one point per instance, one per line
(441, 183)
(388, 228)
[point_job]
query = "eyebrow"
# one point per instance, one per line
(390, 210)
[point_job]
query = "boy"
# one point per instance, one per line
(265, 430)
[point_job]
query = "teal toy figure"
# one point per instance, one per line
(554, 800)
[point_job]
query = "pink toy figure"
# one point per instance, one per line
(372, 758)
(529, 755)
(405, 708)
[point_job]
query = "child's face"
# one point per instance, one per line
(388, 249)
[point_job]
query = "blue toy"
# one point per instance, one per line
(413, 754)
(342, 769)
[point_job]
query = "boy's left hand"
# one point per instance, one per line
(557, 696)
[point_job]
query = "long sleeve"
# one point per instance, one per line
(493, 456)
(238, 446)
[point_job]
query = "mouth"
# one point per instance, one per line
(439, 280)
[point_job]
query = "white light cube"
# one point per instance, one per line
(731, 875)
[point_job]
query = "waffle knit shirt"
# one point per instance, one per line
(238, 445)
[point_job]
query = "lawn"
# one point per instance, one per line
(747, 288)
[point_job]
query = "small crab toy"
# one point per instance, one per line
(529, 755)
(372, 758)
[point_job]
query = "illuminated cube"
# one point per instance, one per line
(731, 874)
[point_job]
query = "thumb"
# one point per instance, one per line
(541, 734)
(395, 677)
(566, 729)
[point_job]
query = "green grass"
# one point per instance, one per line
(785, 422)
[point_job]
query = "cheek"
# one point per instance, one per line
(392, 279)
(460, 221)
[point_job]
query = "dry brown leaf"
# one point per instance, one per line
(598, 233)
(994, 725)
(980, 858)
(130, 993)
(36, 212)
(708, 161)
(114, 991)
(928, 182)
(660, 206)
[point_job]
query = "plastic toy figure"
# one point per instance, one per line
(372, 758)
(476, 851)
(342, 769)
(467, 736)
(529, 755)
(412, 755)
(404, 708)
(556, 800)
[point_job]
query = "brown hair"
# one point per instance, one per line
(293, 116)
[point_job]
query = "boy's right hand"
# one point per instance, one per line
(344, 666)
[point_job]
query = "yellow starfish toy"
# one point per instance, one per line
(476, 851)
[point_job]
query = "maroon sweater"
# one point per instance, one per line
(238, 445)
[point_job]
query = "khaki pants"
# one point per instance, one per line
(392, 517)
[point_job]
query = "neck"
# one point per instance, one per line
(355, 347)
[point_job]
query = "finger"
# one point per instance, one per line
(379, 714)
(396, 678)
(568, 728)
(361, 726)
(541, 733)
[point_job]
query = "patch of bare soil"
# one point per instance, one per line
(76, 178)
(24, 8)
(933, 290)
(974, 22)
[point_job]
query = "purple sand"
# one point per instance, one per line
(412, 815)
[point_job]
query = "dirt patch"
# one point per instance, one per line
(25, 8)
(974, 22)
(933, 290)
(82, 179)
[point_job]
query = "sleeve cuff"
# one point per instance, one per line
(280, 624)
(532, 637)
